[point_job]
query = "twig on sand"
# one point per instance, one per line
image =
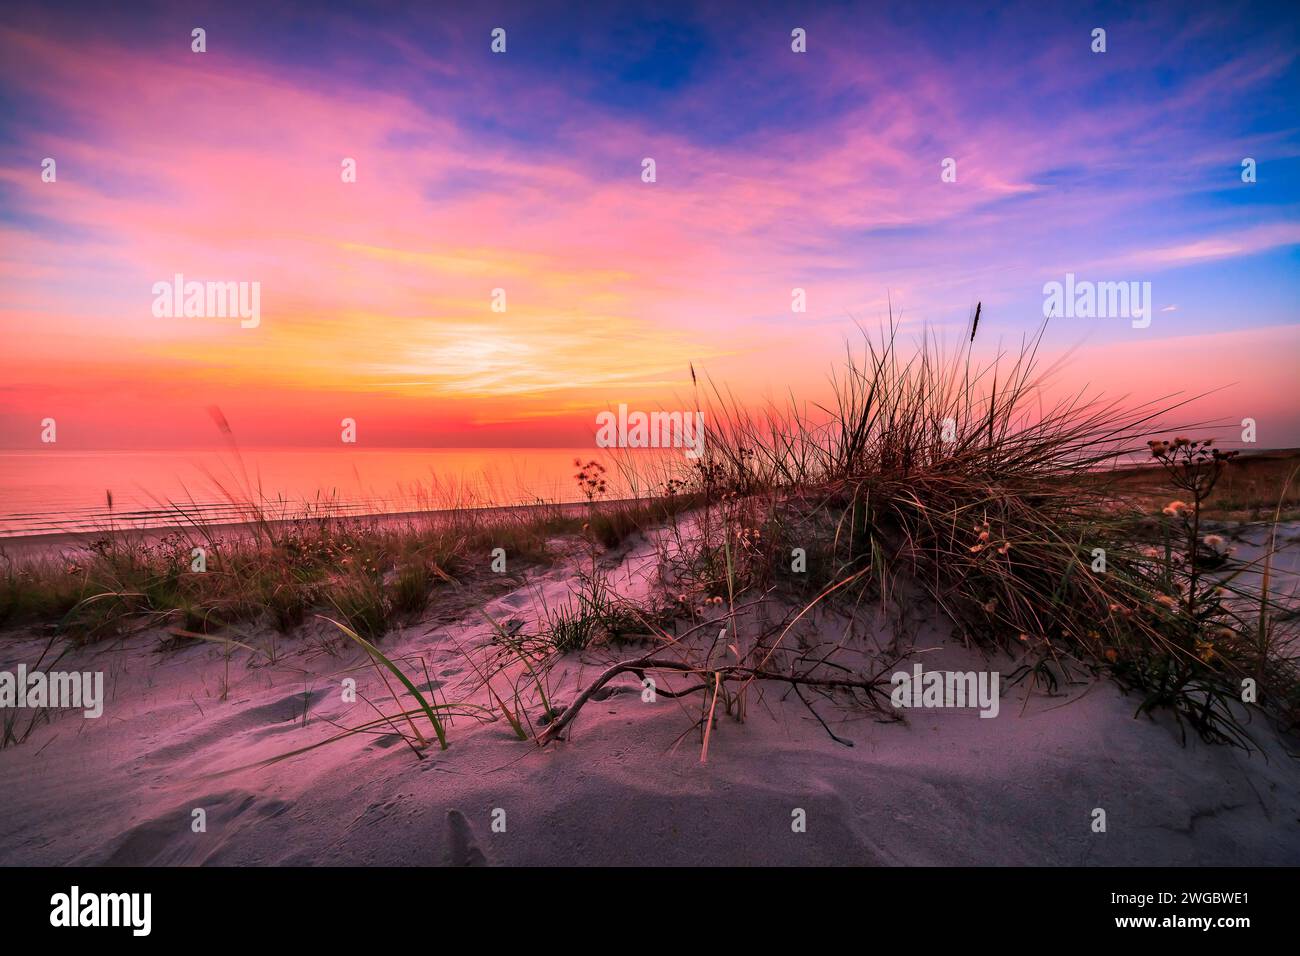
(716, 677)
(812, 710)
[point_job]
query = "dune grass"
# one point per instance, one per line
(374, 573)
(1008, 513)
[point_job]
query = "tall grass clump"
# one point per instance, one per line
(972, 484)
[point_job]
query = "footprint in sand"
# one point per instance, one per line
(462, 847)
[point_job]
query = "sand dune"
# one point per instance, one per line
(624, 786)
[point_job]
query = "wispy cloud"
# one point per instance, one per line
(523, 173)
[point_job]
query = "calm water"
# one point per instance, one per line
(50, 491)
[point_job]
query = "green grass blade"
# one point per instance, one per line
(406, 681)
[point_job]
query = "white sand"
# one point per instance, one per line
(944, 787)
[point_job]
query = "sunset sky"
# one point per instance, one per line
(522, 171)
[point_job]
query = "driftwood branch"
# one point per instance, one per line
(718, 675)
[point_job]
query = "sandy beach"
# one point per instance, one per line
(627, 784)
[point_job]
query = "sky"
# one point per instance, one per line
(523, 171)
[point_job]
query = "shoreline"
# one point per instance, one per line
(1123, 471)
(53, 542)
